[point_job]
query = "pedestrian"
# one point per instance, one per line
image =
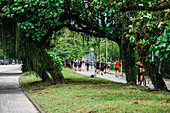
(72, 63)
(116, 68)
(98, 66)
(80, 64)
(87, 64)
(105, 66)
(109, 65)
(91, 64)
(141, 75)
(102, 67)
(83, 63)
(140, 71)
(75, 65)
(94, 64)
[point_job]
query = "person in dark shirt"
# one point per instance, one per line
(98, 66)
(75, 65)
(102, 67)
(105, 66)
(80, 64)
(72, 63)
(87, 64)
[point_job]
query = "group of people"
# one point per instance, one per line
(98, 66)
(76, 63)
(102, 66)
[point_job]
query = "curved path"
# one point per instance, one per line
(12, 98)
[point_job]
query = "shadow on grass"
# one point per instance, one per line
(38, 85)
(90, 81)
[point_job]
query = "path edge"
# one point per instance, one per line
(32, 101)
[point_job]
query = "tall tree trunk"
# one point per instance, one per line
(44, 76)
(129, 61)
(157, 78)
(58, 77)
(54, 70)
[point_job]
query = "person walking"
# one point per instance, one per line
(87, 64)
(98, 66)
(109, 65)
(75, 65)
(116, 68)
(102, 64)
(72, 63)
(105, 66)
(140, 71)
(91, 64)
(94, 64)
(80, 64)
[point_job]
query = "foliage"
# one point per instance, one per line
(113, 49)
(116, 20)
(148, 31)
(82, 94)
(162, 46)
(70, 45)
(74, 45)
(55, 58)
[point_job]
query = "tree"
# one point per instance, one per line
(39, 19)
(151, 42)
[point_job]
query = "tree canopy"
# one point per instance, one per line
(134, 24)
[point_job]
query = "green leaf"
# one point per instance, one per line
(26, 5)
(157, 52)
(32, 9)
(27, 34)
(22, 10)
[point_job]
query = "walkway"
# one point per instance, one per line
(12, 98)
(111, 76)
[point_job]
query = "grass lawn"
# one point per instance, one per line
(85, 95)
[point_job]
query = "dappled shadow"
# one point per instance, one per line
(38, 85)
(91, 81)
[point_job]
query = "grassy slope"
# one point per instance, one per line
(82, 94)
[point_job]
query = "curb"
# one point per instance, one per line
(32, 101)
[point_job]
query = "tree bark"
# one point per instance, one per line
(55, 72)
(129, 62)
(157, 78)
(57, 76)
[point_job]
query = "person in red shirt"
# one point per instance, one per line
(116, 68)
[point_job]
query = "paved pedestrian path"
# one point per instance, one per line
(12, 98)
(111, 76)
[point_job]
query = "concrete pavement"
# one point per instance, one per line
(111, 76)
(12, 98)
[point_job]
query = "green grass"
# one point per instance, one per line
(83, 94)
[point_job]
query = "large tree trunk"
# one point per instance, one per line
(58, 77)
(129, 61)
(54, 70)
(44, 76)
(37, 60)
(152, 71)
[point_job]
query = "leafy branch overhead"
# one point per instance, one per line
(39, 18)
